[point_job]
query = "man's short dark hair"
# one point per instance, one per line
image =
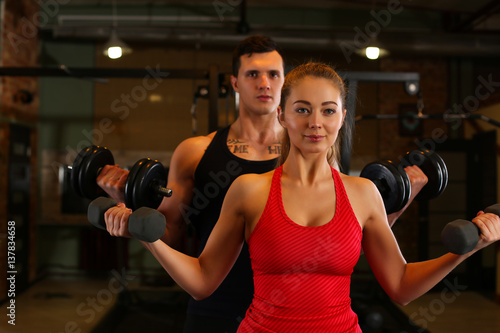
(253, 44)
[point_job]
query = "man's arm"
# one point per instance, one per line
(176, 208)
(418, 180)
(180, 180)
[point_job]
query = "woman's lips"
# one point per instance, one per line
(315, 138)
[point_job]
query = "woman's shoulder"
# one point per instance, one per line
(364, 197)
(249, 193)
(253, 181)
(358, 184)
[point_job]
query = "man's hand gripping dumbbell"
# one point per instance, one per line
(143, 192)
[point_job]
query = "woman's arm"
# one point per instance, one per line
(402, 281)
(201, 276)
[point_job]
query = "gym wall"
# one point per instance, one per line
(19, 117)
(75, 112)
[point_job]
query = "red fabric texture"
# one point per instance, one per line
(302, 274)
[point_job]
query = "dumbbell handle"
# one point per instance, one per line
(145, 223)
(166, 192)
(96, 210)
(461, 236)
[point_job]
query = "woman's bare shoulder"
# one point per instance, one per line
(251, 182)
(364, 197)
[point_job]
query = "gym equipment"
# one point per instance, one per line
(145, 184)
(86, 167)
(461, 236)
(394, 184)
(145, 224)
(433, 167)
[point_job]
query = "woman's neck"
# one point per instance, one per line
(309, 169)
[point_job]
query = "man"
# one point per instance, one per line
(202, 169)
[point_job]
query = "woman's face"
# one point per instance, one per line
(313, 114)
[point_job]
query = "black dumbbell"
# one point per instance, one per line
(394, 184)
(145, 184)
(145, 224)
(433, 167)
(461, 236)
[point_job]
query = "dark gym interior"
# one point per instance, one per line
(435, 86)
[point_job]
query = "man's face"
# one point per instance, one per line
(259, 82)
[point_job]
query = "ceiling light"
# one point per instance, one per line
(372, 52)
(115, 47)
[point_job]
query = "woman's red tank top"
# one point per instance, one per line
(302, 274)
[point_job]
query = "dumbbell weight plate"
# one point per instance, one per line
(90, 167)
(403, 184)
(77, 168)
(391, 182)
(444, 171)
(441, 174)
(406, 187)
(150, 175)
(431, 167)
(129, 183)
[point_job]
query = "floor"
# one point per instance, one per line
(458, 312)
(94, 306)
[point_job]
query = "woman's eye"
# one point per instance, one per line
(330, 111)
(302, 110)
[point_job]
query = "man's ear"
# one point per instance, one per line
(234, 83)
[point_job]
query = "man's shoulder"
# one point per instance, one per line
(196, 143)
(188, 154)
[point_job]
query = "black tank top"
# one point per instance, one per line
(216, 171)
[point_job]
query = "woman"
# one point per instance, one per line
(305, 224)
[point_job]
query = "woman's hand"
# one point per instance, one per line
(117, 220)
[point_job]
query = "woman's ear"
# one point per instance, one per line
(281, 117)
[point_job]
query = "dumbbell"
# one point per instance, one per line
(144, 187)
(461, 236)
(146, 224)
(394, 184)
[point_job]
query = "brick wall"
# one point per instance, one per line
(18, 104)
(434, 86)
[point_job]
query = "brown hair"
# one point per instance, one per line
(254, 44)
(317, 70)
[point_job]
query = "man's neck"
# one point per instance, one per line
(257, 129)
